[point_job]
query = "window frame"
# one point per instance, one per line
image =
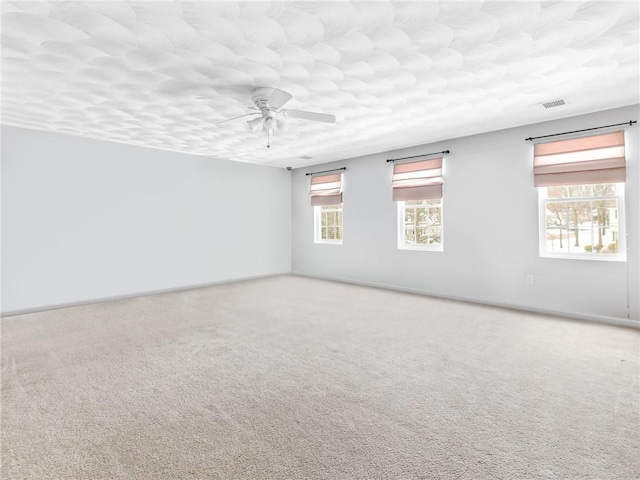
(317, 229)
(620, 256)
(439, 247)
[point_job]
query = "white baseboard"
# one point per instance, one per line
(619, 322)
(57, 306)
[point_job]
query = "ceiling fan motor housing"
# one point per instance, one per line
(262, 105)
(260, 98)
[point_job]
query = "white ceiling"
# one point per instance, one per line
(395, 74)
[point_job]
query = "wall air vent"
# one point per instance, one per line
(554, 103)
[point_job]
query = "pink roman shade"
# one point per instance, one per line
(326, 189)
(421, 180)
(595, 159)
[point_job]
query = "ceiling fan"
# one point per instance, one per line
(270, 114)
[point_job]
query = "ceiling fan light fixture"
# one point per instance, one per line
(254, 124)
(270, 123)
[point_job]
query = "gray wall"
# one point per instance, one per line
(84, 219)
(488, 171)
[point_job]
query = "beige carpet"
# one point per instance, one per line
(295, 378)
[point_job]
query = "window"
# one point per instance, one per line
(581, 189)
(328, 224)
(583, 221)
(326, 199)
(417, 188)
(420, 225)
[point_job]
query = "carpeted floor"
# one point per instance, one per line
(296, 378)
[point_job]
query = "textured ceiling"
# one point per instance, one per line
(395, 74)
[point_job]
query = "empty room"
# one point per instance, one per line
(333, 240)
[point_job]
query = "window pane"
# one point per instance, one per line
(435, 234)
(579, 225)
(556, 231)
(409, 236)
(331, 218)
(422, 203)
(420, 217)
(338, 233)
(422, 237)
(604, 189)
(323, 233)
(579, 190)
(331, 233)
(435, 216)
(557, 192)
(606, 226)
(557, 240)
(568, 191)
(339, 217)
(323, 219)
(612, 233)
(409, 216)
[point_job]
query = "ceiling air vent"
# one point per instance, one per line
(306, 157)
(555, 103)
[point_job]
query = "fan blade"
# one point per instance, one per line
(318, 117)
(240, 116)
(278, 98)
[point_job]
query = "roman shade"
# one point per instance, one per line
(326, 189)
(421, 180)
(577, 161)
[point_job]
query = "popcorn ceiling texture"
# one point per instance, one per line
(395, 74)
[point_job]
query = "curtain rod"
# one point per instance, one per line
(630, 122)
(326, 171)
(417, 156)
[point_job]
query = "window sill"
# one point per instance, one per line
(430, 248)
(589, 258)
(328, 242)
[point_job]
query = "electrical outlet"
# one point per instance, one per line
(529, 279)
